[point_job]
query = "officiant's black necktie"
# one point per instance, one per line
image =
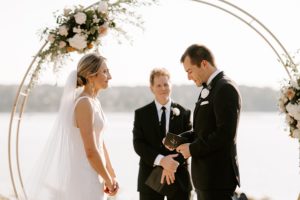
(163, 122)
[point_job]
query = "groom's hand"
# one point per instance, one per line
(169, 176)
(184, 149)
(168, 163)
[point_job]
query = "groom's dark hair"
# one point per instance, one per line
(197, 53)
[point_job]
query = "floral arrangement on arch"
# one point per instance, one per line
(289, 100)
(80, 30)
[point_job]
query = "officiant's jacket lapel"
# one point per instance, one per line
(214, 133)
(147, 142)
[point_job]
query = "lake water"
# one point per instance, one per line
(268, 158)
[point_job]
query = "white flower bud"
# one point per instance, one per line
(80, 18)
(51, 38)
(63, 30)
(62, 44)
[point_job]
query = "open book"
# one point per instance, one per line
(173, 141)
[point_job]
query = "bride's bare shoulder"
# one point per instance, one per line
(82, 103)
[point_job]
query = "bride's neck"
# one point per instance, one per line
(88, 92)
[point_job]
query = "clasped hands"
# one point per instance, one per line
(111, 187)
(169, 168)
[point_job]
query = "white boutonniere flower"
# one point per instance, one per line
(204, 93)
(176, 111)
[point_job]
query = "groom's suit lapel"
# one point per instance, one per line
(210, 87)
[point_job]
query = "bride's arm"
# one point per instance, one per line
(108, 163)
(84, 121)
(110, 170)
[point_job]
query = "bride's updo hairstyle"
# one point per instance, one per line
(88, 65)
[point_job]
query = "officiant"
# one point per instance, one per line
(151, 123)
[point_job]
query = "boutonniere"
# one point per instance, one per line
(175, 112)
(204, 93)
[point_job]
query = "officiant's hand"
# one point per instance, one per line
(168, 175)
(184, 149)
(168, 163)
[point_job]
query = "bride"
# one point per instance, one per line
(75, 163)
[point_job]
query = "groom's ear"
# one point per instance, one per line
(205, 63)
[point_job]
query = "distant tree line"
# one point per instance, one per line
(45, 98)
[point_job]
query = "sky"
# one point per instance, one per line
(169, 28)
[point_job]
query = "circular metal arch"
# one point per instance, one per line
(24, 87)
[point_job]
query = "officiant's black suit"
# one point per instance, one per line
(147, 141)
(213, 150)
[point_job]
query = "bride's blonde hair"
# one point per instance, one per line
(88, 65)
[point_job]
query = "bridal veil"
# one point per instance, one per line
(52, 173)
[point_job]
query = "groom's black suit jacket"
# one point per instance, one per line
(213, 150)
(147, 142)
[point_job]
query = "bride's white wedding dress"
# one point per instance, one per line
(85, 182)
(64, 172)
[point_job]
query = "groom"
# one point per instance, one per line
(151, 123)
(215, 171)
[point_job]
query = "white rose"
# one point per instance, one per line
(77, 30)
(51, 38)
(204, 93)
(78, 42)
(62, 44)
(102, 7)
(297, 116)
(63, 30)
(80, 18)
(296, 111)
(296, 133)
(291, 109)
(176, 111)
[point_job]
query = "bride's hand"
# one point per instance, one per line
(116, 188)
(112, 188)
(108, 186)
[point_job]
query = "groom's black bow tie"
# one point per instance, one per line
(204, 85)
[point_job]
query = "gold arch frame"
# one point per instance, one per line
(24, 89)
